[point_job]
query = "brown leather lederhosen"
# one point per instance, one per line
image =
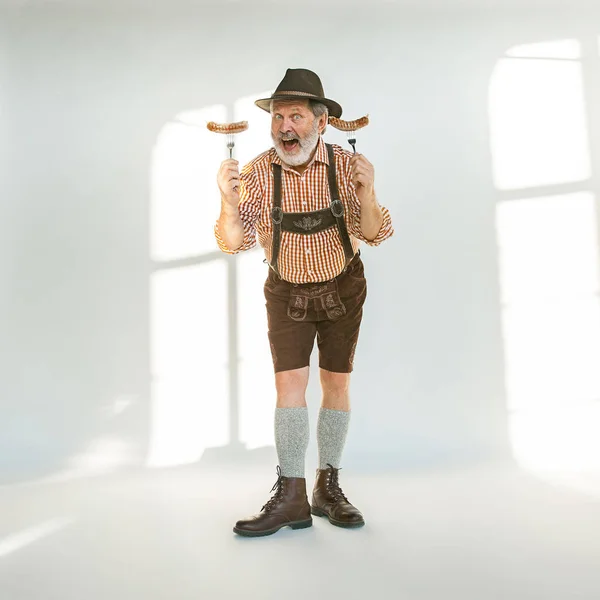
(308, 223)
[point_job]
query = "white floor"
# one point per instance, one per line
(485, 533)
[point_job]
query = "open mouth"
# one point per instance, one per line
(290, 145)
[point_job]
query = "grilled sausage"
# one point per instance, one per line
(227, 127)
(349, 125)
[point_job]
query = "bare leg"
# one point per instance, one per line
(291, 388)
(335, 388)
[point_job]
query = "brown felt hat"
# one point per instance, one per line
(301, 83)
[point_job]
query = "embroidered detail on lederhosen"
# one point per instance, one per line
(326, 294)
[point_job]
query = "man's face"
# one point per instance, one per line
(295, 131)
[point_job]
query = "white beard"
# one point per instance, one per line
(307, 145)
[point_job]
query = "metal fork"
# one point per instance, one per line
(230, 144)
(351, 135)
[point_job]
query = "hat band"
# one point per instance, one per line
(306, 94)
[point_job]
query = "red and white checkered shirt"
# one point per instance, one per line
(302, 258)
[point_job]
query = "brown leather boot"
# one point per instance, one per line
(288, 506)
(328, 500)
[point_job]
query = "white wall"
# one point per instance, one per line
(83, 97)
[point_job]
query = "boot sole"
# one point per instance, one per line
(318, 512)
(295, 525)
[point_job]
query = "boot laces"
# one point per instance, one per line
(334, 485)
(278, 489)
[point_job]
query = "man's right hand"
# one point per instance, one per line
(228, 179)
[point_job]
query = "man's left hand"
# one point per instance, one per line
(363, 177)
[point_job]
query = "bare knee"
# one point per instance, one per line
(291, 387)
(335, 383)
(335, 388)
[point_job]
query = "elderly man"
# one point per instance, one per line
(311, 204)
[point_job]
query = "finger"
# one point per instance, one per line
(364, 169)
(362, 180)
(230, 175)
(359, 159)
(228, 169)
(226, 182)
(364, 165)
(231, 169)
(361, 167)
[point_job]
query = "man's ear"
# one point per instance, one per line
(322, 123)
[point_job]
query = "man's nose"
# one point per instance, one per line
(286, 125)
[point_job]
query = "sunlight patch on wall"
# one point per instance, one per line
(537, 123)
(548, 259)
(549, 280)
(566, 49)
(184, 188)
(551, 324)
(257, 382)
(566, 439)
(257, 387)
(552, 353)
(189, 327)
(548, 248)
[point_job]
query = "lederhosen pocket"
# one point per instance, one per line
(326, 294)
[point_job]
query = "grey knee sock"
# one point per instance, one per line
(332, 428)
(291, 439)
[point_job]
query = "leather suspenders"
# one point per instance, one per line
(337, 208)
(307, 223)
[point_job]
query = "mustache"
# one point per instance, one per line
(286, 137)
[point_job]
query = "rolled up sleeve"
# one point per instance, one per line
(249, 208)
(353, 222)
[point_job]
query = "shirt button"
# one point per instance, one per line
(308, 252)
